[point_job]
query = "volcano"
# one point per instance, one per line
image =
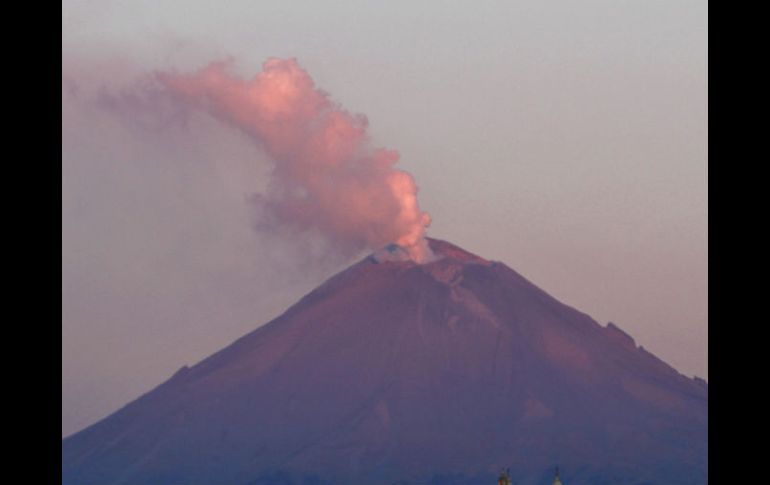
(396, 372)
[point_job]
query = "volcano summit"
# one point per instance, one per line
(392, 371)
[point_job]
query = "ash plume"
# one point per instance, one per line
(327, 176)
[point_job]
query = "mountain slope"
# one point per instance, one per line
(395, 371)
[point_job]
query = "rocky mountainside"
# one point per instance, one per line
(394, 372)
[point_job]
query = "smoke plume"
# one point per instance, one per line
(327, 176)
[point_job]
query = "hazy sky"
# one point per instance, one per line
(566, 139)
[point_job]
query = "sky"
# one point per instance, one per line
(565, 139)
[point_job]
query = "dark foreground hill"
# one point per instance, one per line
(396, 372)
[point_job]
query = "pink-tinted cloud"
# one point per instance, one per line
(327, 176)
